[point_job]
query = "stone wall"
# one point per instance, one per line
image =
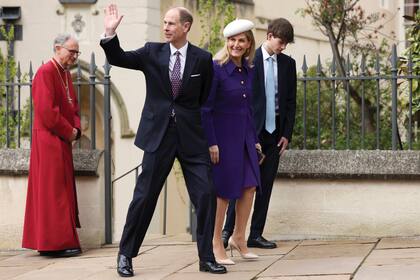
(360, 164)
(346, 194)
(90, 192)
(318, 194)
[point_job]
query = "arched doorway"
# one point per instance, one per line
(93, 128)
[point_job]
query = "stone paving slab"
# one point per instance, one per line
(338, 241)
(175, 258)
(389, 273)
(110, 252)
(390, 264)
(159, 239)
(26, 258)
(319, 260)
(395, 243)
(164, 260)
(21, 262)
(70, 269)
(154, 263)
(7, 272)
(329, 251)
(314, 277)
(110, 274)
(393, 257)
(253, 265)
(310, 267)
(234, 275)
(6, 254)
(241, 265)
(283, 247)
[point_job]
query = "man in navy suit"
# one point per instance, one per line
(274, 106)
(178, 77)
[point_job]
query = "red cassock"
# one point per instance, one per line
(51, 215)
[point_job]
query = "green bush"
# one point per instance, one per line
(8, 64)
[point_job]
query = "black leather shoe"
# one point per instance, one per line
(261, 242)
(46, 253)
(61, 253)
(70, 252)
(212, 267)
(225, 237)
(124, 266)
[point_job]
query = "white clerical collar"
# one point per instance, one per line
(59, 64)
(182, 50)
(266, 54)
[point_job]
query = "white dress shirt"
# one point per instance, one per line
(182, 57)
(106, 39)
(265, 58)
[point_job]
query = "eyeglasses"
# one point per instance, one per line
(73, 52)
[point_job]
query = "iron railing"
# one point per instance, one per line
(355, 108)
(17, 115)
(165, 192)
(367, 108)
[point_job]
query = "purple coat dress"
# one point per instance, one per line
(228, 123)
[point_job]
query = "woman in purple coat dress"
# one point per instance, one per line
(228, 124)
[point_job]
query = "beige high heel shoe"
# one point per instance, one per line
(246, 256)
(225, 261)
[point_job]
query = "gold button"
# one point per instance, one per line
(242, 82)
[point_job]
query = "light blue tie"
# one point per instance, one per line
(270, 92)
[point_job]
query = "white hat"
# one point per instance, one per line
(237, 26)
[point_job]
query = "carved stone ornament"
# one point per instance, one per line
(78, 23)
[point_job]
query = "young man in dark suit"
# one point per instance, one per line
(178, 76)
(274, 106)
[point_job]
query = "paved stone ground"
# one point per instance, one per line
(175, 258)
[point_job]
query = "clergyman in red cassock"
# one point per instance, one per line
(51, 215)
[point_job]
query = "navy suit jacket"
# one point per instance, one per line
(286, 67)
(153, 61)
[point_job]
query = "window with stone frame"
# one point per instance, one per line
(410, 8)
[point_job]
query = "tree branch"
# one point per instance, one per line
(351, 6)
(342, 25)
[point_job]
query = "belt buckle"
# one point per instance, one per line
(172, 115)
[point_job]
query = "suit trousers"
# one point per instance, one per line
(155, 169)
(268, 171)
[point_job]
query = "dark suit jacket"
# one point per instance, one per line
(286, 93)
(153, 61)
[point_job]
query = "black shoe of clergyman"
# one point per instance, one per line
(124, 266)
(261, 242)
(61, 253)
(212, 267)
(225, 237)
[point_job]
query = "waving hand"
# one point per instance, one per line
(112, 19)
